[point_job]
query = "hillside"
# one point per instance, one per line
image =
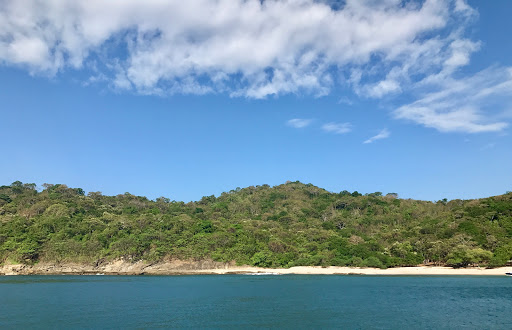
(292, 224)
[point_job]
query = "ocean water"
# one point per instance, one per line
(240, 301)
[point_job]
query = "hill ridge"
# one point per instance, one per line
(292, 224)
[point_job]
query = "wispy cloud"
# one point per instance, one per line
(337, 128)
(345, 100)
(299, 123)
(384, 134)
(458, 105)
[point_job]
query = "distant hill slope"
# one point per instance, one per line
(287, 225)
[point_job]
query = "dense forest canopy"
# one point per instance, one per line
(287, 225)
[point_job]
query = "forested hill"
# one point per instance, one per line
(287, 225)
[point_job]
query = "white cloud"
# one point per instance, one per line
(462, 7)
(384, 134)
(337, 128)
(382, 88)
(298, 123)
(253, 48)
(246, 48)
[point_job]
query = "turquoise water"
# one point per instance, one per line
(235, 301)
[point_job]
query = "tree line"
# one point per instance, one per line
(292, 224)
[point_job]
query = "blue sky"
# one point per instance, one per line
(187, 100)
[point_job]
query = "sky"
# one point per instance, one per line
(190, 99)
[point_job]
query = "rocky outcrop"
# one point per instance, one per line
(116, 267)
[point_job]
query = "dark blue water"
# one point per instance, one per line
(235, 301)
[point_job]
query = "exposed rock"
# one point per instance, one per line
(115, 267)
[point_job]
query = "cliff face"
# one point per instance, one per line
(116, 267)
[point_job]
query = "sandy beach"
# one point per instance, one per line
(178, 267)
(421, 270)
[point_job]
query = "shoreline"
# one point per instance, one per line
(177, 267)
(417, 271)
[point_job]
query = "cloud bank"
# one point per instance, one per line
(252, 48)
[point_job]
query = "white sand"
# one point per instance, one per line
(422, 270)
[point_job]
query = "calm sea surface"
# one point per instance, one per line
(236, 301)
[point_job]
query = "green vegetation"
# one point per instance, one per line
(287, 225)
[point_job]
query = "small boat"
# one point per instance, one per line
(508, 274)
